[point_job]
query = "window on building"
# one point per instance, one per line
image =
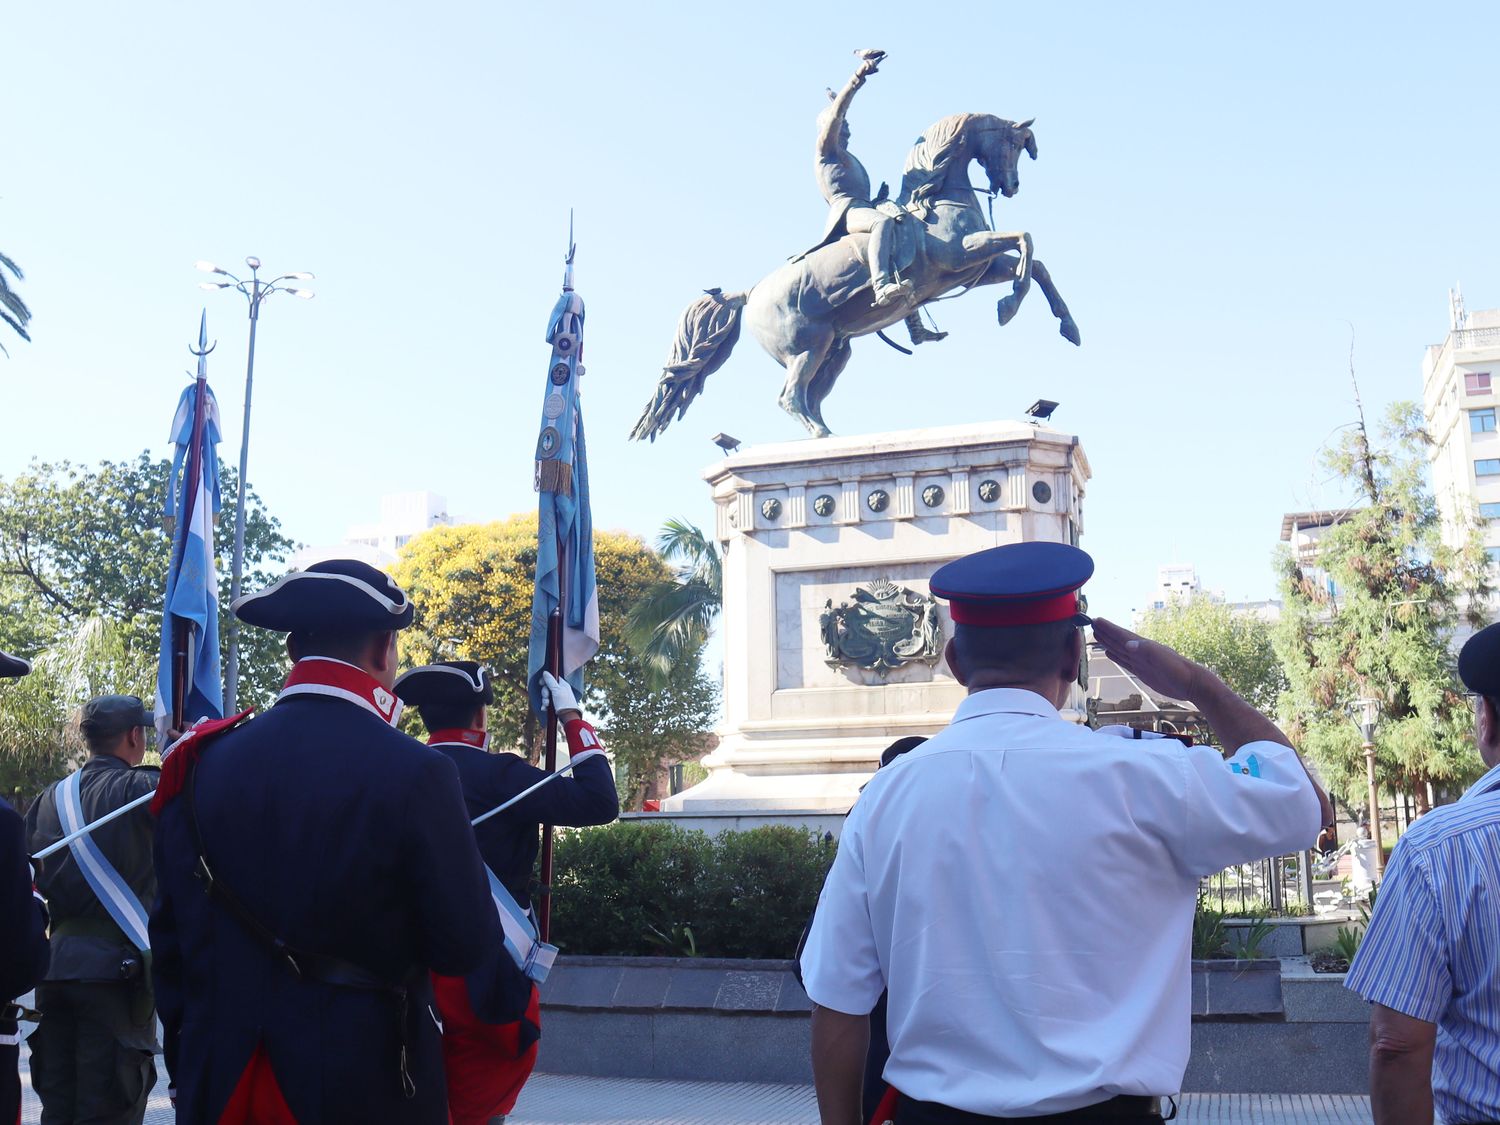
(1482, 421)
(1487, 467)
(1476, 382)
(1489, 511)
(1494, 554)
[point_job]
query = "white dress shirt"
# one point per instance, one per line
(1025, 887)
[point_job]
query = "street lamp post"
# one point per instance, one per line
(255, 291)
(1369, 712)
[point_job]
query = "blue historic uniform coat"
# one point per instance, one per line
(509, 842)
(344, 838)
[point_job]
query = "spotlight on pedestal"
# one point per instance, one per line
(1041, 409)
(726, 443)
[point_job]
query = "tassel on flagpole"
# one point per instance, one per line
(554, 476)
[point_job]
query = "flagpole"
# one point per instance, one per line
(192, 470)
(561, 438)
(129, 806)
(549, 758)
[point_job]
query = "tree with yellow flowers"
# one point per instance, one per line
(472, 587)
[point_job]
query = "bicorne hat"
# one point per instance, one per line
(13, 667)
(340, 595)
(448, 682)
(1017, 584)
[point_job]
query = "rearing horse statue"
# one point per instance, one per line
(807, 312)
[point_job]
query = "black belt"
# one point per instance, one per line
(1122, 1106)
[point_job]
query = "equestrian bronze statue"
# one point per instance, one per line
(879, 262)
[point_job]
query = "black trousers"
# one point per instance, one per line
(91, 1054)
(1118, 1111)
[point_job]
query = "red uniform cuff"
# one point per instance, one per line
(581, 736)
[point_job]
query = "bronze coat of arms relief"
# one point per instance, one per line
(884, 626)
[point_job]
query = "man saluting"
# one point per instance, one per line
(489, 1051)
(1024, 886)
(315, 865)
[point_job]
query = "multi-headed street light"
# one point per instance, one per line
(255, 291)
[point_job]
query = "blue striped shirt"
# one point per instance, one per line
(1432, 950)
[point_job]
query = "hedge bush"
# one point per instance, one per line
(660, 890)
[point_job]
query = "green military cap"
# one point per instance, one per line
(105, 715)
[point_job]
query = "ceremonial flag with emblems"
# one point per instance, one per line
(565, 531)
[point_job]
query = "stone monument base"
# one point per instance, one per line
(832, 643)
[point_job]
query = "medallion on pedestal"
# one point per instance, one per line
(883, 627)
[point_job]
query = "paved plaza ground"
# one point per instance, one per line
(555, 1099)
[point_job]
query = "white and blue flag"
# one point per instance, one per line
(182, 438)
(192, 600)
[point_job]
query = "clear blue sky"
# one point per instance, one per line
(1219, 191)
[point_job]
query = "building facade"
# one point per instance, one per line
(403, 515)
(1459, 402)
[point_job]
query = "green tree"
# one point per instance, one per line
(672, 621)
(13, 310)
(472, 586)
(81, 542)
(1383, 633)
(1237, 646)
(38, 713)
(649, 730)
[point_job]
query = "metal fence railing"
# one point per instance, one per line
(1281, 885)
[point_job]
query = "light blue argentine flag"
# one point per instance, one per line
(565, 528)
(192, 580)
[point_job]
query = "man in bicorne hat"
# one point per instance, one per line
(315, 866)
(1023, 886)
(23, 933)
(489, 1050)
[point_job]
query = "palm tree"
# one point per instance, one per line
(673, 619)
(13, 310)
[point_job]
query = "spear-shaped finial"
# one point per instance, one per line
(204, 347)
(568, 261)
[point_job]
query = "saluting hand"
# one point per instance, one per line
(1157, 666)
(560, 695)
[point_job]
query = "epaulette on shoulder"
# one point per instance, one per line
(183, 755)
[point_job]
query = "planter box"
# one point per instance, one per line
(724, 1020)
(698, 1018)
(1292, 937)
(1237, 990)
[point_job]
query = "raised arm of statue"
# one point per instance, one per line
(833, 130)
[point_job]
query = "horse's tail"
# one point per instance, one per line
(705, 337)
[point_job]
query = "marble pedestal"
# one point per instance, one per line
(802, 525)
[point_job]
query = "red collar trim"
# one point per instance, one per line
(322, 675)
(465, 736)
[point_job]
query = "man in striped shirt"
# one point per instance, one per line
(1430, 960)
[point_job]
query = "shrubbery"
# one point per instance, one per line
(656, 889)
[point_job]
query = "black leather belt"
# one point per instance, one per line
(1126, 1106)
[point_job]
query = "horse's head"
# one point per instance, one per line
(940, 159)
(998, 148)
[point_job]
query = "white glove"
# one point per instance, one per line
(560, 694)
